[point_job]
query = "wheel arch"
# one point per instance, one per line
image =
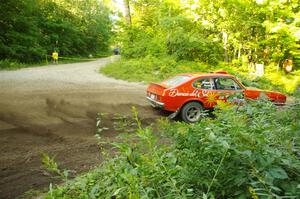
(192, 100)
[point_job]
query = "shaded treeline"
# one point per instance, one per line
(31, 29)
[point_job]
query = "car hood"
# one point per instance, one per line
(255, 93)
(260, 90)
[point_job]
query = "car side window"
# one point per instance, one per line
(225, 83)
(204, 83)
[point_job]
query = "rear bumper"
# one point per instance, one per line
(155, 103)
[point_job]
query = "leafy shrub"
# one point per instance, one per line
(138, 44)
(193, 46)
(255, 149)
(253, 152)
(10, 64)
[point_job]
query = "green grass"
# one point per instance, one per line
(152, 69)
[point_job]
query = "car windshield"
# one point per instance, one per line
(176, 80)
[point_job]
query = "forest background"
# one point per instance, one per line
(161, 38)
(204, 31)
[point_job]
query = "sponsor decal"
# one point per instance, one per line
(195, 93)
(211, 99)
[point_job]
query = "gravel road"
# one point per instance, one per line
(52, 109)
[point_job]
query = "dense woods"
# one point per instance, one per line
(264, 31)
(159, 39)
(31, 29)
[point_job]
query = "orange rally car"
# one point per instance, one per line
(189, 94)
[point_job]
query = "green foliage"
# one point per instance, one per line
(10, 64)
(255, 148)
(51, 166)
(145, 43)
(194, 46)
(166, 35)
(34, 28)
(123, 123)
(253, 152)
(212, 30)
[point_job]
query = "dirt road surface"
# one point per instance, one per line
(52, 109)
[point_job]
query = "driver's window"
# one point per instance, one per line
(223, 83)
(205, 83)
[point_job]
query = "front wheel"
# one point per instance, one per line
(192, 112)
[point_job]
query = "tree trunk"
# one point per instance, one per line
(127, 12)
(234, 53)
(225, 39)
(278, 66)
(239, 54)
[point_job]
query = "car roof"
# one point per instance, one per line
(212, 74)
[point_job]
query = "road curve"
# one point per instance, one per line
(52, 109)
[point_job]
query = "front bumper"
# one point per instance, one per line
(155, 103)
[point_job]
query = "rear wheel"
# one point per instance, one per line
(192, 112)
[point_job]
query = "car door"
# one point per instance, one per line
(206, 90)
(227, 87)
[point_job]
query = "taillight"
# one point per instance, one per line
(154, 96)
(158, 98)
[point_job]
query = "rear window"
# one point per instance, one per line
(176, 80)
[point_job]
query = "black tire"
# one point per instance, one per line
(192, 112)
